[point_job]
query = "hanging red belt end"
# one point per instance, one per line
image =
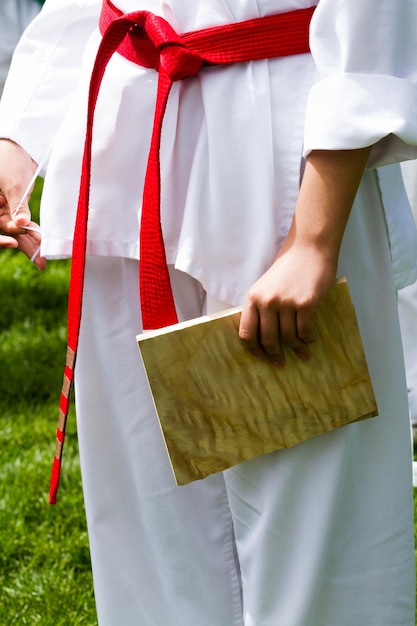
(56, 466)
(56, 472)
(64, 404)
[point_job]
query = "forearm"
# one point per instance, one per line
(327, 192)
(280, 307)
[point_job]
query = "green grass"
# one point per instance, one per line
(45, 575)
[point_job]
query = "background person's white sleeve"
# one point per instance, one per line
(44, 73)
(15, 15)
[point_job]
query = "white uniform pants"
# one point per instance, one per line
(318, 535)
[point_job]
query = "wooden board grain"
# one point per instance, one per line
(218, 405)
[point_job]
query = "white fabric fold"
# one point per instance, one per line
(350, 111)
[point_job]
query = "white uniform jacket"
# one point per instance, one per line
(233, 138)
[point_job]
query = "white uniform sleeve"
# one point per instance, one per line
(44, 73)
(366, 88)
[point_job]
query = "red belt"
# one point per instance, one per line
(149, 41)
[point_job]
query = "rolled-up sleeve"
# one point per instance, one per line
(365, 91)
(44, 73)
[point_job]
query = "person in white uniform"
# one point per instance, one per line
(407, 308)
(317, 535)
(15, 15)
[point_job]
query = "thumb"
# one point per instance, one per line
(20, 213)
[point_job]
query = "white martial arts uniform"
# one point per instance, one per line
(15, 15)
(319, 535)
(407, 308)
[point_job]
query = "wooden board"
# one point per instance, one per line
(218, 405)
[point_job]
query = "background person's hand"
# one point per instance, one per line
(17, 230)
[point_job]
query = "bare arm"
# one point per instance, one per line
(280, 307)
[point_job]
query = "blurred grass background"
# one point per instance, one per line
(45, 575)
